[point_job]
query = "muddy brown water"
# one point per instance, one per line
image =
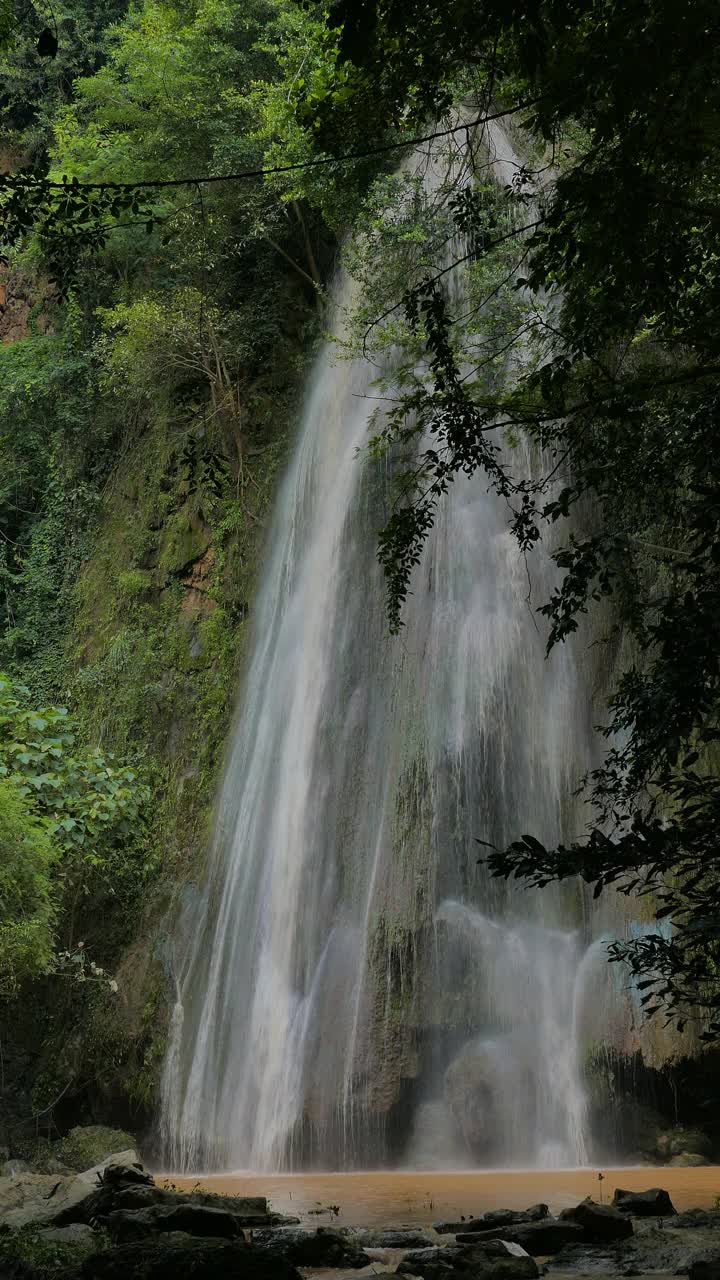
(384, 1199)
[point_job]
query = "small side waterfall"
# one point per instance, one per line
(354, 990)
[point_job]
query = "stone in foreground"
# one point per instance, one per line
(452, 1228)
(697, 1218)
(492, 1260)
(514, 1217)
(320, 1248)
(186, 1258)
(537, 1238)
(654, 1203)
(133, 1191)
(77, 1233)
(126, 1225)
(391, 1238)
(43, 1199)
(494, 1218)
(600, 1222)
(707, 1268)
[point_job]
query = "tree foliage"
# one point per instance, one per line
(90, 803)
(71, 816)
(39, 65)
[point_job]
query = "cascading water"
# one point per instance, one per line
(354, 989)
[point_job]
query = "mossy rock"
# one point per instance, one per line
(682, 1139)
(90, 1144)
(184, 541)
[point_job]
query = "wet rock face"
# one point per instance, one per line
(653, 1203)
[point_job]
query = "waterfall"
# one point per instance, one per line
(354, 990)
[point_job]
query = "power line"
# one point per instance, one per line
(289, 168)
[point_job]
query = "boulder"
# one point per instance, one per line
(464, 1224)
(250, 1211)
(125, 1225)
(320, 1248)
(117, 1172)
(37, 1198)
(537, 1238)
(131, 1196)
(87, 1196)
(688, 1160)
(391, 1238)
(76, 1233)
(125, 1186)
(697, 1218)
(707, 1268)
(186, 1258)
(654, 1203)
(493, 1260)
(536, 1212)
(511, 1217)
(682, 1139)
(470, 1087)
(502, 1258)
(120, 1160)
(600, 1222)
(494, 1218)
(45, 1198)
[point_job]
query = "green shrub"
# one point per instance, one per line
(87, 1145)
(27, 893)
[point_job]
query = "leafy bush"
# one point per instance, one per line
(89, 803)
(88, 1145)
(27, 890)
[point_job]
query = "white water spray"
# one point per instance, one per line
(353, 974)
